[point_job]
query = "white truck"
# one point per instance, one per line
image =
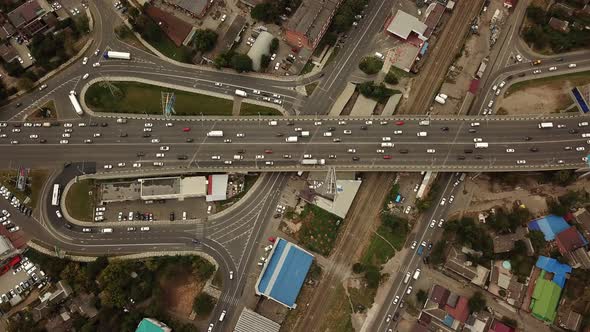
(304, 134)
(481, 145)
(117, 55)
(75, 103)
(440, 100)
(215, 133)
(545, 125)
(292, 139)
(313, 162)
(241, 93)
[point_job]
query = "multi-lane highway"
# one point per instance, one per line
(254, 144)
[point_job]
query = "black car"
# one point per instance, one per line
(147, 135)
(140, 154)
(364, 127)
(43, 140)
(123, 134)
(573, 131)
(68, 226)
(403, 151)
(93, 124)
(331, 129)
(171, 216)
(528, 138)
(19, 104)
(444, 128)
(279, 135)
(460, 157)
(559, 59)
(290, 123)
(479, 157)
(189, 140)
(472, 130)
(104, 124)
(534, 149)
(356, 158)
(468, 151)
(182, 157)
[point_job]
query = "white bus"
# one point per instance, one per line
(55, 196)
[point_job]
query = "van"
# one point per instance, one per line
(422, 134)
(222, 316)
(184, 215)
(386, 145)
(209, 209)
(417, 274)
(474, 124)
(425, 123)
(107, 230)
(407, 277)
(380, 56)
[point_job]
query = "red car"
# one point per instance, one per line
(268, 151)
(399, 123)
(185, 129)
(386, 156)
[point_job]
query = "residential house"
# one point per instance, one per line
(30, 18)
(563, 8)
(152, 325)
(193, 8)
(505, 243)
(505, 284)
(310, 22)
(498, 326)
(176, 29)
(559, 25)
(571, 244)
(568, 319)
(444, 310)
(56, 294)
(458, 263)
(478, 322)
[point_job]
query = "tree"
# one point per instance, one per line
(476, 302)
(519, 248)
(82, 24)
(371, 65)
(536, 14)
(203, 304)
(205, 40)
(264, 61)
(373, 276)
(274, 45)
(241, 62)
(265, 12)
(358, 268)
(25, 84)
(421, 296)
(537, 240)
(437, 256)
(377, 92)
(391, 78)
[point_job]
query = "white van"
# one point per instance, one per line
(272, 123)
(107, 230)
(380, 56)
(222, 316)
(425, 123)
(417, 274)
(407, 277)
(422, 134)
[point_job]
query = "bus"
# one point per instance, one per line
(55, 196)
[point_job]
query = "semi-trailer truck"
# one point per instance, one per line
(75, 103)
(117, 55)
(215, 133)
(313, 162)
(291, 139)
(241, 93)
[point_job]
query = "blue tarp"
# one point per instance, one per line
(448, 321)
(285, 273)
(558, 269)
(580, 100)
(550, 225)
(424, 49)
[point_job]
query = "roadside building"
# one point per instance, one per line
(508, 4)
(152, 325)
(260, 47)
(283, 274)
(30, 18)
(193, 8)
(444, 310)
(6, 249)
(550, 226)
(458, 263)
(217, 187)
(564, 9)
(568, 319)
(582, 217)
(407, 27)
(547, 288)
(309, 23)
(570, 244)
(6, 30)
(251, 321)
(173, 187)
(559, 25)
(434, 13)
(176, 29)
(229, 37)
(478, 322)
(498, 326)
(505, 284)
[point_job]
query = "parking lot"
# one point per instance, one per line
(155, 210)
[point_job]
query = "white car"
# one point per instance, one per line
(537, 71)
(97, 135)
(277, 66)
(85, 60)
(136, 165)
(451, 199)
(223, 17)
(409, 291)
(572, 65)
(147, 129)
(155, 140)
(501, 85)
(347, 132)
(108, 166)
(443, 201)
(121, 165)
(273, 57)
(510, 150)
(16, 130)
(42, 87)
(256, 92)
(88, 141)
(33, 136)
(216, 157)
(148, 124)
(413, 245)
(552, 68)
(159, 155)
(521, 162)
(396, 299)
(432, 223)
(68, 125)
(491, 103)
(580, 148)
(228, 162)
(65, 135)
(144, 229)
(85, 76)
(397, 132)
(259, 156)
(240, 135)
(351, 150)
(519, 58)
(64, 141)
(164, 148)
(380, 151)
(169, 124)
(218, 84)
(430, 151)
(158, 163)
(317, 123)
(441, 222)
(96, 64)
(477, 140)
(583, 124)
(341, 122)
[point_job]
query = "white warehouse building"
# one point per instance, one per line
(261, 46)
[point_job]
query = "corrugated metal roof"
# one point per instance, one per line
(250, 321)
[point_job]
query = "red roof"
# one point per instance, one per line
(210, 185)
(569, 217)
(175, 28)
(569, 240)
(461, 311)
(473, 86)
(501, 327)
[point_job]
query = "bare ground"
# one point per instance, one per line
(549, 98)
(179, 293)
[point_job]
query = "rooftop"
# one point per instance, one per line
(545, 299)
(25, 13)
(505, 243)
(152, 325)
(550, 225)
(311, 17)
(570, 240)
(176, 29)
(260, 47)
(251, 321)
(283, 275)
(433, 15)
(196, 7)
(559, 270)
(404, 24)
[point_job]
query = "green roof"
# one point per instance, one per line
(545, 299)
(151, 325)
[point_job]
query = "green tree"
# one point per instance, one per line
(519, 248)
(358, 268)
(274, 45)
(82, 24)
(476, 302)
(377, 92)
(537, 240)
(373, 276)
(536, 14)
(265, 12)
(421, 296)
(371, 65)
(391, 78)
(264, 61)
(25, 84)
(203, 304)
(204, 40)
(241, 62)
(437, 256)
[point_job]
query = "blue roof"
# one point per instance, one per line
(285, 272)
(449, 320)
(550, 225)
(558, 269)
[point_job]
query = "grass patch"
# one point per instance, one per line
(310, 88)
(248, 109)
(44, 112)
(400, 73)
(332, 56)
(170, 50)
(126, 35)
(140, 98)
(79, 203)
(380, 249)
(338, 316)
(217, 280)
(362, 298)
(33, 189)
(307, 68)
(319, 230)
(580, 78)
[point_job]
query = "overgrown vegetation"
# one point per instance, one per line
(204, 40)
(271, 11)
(541, 35)
(570, 200)
(371, 65)
(503, 222)
(466, 232)
(476, 302)
(391, 78)
(80, 200)
(231, 59)
(319, 229)
(376, 92)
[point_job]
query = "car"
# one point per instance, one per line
(583, 124)
(451, 199)
(268, 151)
(223, 17)
(567, 148)
(155, 140)
(560, 161)
(560, 126)
(580, 148)
(397, 132)
(85, 60)
(147, 130)
(395, 299)
(218, 84)
(534, 149)
(527, 138)
(388, 318)
(413, 245)
(317, 123)
(227, 140)
(399, 123)
(509, 150)
(552, 68)
(136, 165)
(269, 163)
(63, 141)
(351, 150)
(336, 140)
(443, 201)
(537, 71)
(430, 151)
(14, 229)
(96, 64)
(441, 222)
(97, 134)
(519, 58)
(332, 156)
(16, 130)
(189, 140)
(386, 139)
(65, 135)
(477, 140)
(108, 166)
(256, 92)
(356, 158)
(501, 85)
(159, 155)
(494, 88)
(240, 135)
(158, 163)
(409, 291)
(416, 187)
(277, 66)
(347, 132)
(144, 229)
(572, 65)
(491, 103)
(432, 223)
(521, 162)
(33, 136)
(273, 57)
(86, 230)
(341, 122)
(42, 87)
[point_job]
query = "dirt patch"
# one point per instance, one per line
(179, 292)
(550, 98)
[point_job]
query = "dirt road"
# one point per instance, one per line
(446, 47)
(360, 221)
